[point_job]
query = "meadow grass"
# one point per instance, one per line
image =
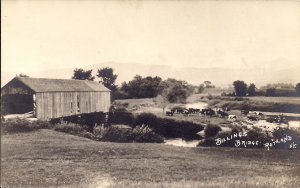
(46, 158)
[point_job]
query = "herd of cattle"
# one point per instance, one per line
(221, 112)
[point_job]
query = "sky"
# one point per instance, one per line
(41, 35)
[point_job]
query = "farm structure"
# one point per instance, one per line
(53, 98)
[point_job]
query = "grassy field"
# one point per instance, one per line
(46, 158)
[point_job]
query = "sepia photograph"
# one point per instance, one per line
(150, 94)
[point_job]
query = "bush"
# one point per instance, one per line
(212, 130)
(263, 138)
(88, 119)
(74, 129)
(115, 134)
(100, 131)
(17, 125)
(145, 134)
(40, 124)
(69, 128)
(207, 142)
(169, 128)
(121, 116)
(226, 139)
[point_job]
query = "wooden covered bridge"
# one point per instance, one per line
(53, 98)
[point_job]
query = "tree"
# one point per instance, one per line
(141, 87)
(270, 92)
(176, 90)
(298, 89)
(240, 88)
(108, 79)
(80, 74)
(201, 88)
(178, 94)
(251, 90)
(162, 101)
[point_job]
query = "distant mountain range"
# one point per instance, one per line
(268, 73)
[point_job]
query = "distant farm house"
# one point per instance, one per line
(53, 98)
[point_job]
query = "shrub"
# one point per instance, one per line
(115, 134)
(207, 142)
(145, 134)
(74, 129)
(16, 125)
(254, 135)
(40, 124)
(22, 125)
(121, 116)
(283, 133)
(87, 135)
(212, 130)
(88, 119)
(169, 128)
(100, 131)
(258, 134)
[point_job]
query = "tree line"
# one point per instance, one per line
(241, 89)
(169, 90)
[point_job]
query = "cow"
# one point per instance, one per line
(169, 113)
(278, 119)
(186, 112)
(193, 110)
(197, 110)
(177, 110)
(258, 113)
(232, 117)
(207, 112)
(222, 114)
(218, 109)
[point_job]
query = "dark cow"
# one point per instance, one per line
(279, 119)
(197, 110)
(178, 110)
(193, 110)
(223, 114)
(208, 112)
(169, 113)
(186, 112)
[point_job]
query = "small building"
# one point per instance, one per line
(53, 98)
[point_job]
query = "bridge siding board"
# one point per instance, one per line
(60, 104)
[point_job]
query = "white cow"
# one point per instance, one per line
(232, 117)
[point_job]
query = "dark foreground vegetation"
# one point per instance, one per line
(145, 127)
(46, 158)
(101, 133)
(168, 128)
(281, 138)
